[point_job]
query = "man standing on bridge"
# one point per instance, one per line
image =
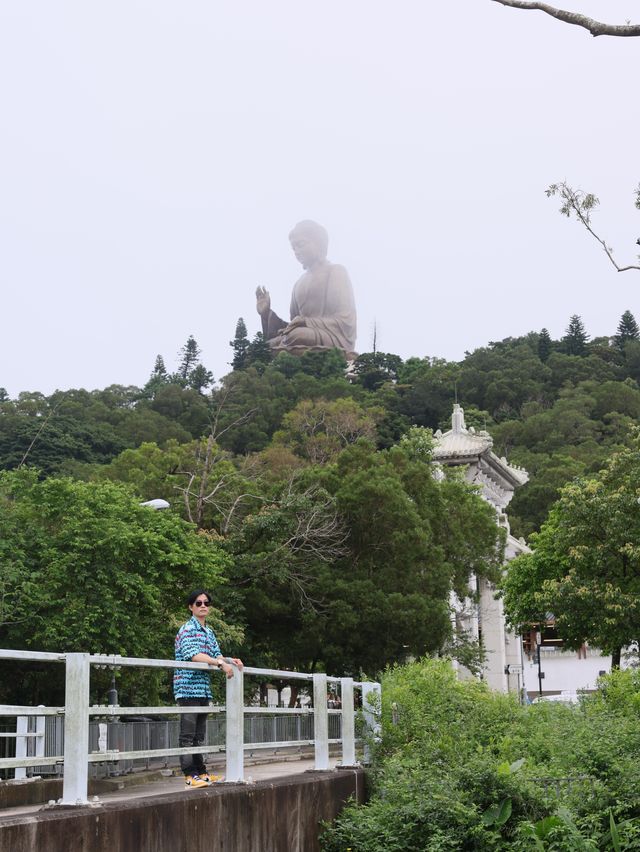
(197, 643)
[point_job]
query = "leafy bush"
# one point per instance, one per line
(462, 768)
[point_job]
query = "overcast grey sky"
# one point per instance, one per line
(156, 154)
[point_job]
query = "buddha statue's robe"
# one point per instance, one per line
(323, 297)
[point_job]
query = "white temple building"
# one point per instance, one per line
(510, 665)
(497, 481)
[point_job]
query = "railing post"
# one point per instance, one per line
(235, 727)
(40, 734)
(22, 729)
(76, 730)
(320, 721)
(370, 707)
(348, 722)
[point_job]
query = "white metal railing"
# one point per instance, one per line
(27, 728)
(76, 756)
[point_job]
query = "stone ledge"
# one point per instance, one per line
(277, 815)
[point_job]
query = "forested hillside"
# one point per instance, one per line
(307, 487)
(558, 408)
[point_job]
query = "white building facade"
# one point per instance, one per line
(510, 666)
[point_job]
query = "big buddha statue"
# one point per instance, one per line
(322, 312)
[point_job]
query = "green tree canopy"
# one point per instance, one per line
(319, 430)
(373, 369)
(259, 352)
(557, 414)
(84, 567)
(585, 566)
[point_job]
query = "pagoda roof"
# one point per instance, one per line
(462, 446)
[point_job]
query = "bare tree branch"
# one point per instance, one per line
(291, 535)
(581, 204)
(319, 532)
(596, 28)
(186, 492)
(206, 458)
(43, 426)
(223, 397)
(227, 521)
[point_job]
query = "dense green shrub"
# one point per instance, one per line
(462, 768)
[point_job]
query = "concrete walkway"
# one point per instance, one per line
(129, 787)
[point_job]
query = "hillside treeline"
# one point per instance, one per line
(558, 408)
(302, 493)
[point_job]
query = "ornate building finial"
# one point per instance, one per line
(457, 419)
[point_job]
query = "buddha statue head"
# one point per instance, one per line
(310, 242)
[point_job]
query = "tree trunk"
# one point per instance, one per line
(615, 658)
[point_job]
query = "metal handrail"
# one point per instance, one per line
(141, 662)
(77, 712)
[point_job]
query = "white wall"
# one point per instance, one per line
(564, 672)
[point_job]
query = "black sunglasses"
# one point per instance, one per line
(202, 603)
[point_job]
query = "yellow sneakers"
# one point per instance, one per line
(211, 778)
(197, 780)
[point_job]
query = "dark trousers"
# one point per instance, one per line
(193, 729)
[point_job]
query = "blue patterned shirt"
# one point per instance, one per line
(192, 639)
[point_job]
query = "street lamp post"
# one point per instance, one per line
(538, 647)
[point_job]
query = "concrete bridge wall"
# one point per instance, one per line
(281, 815)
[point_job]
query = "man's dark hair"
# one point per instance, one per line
(193, 597)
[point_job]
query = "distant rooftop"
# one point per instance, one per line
(464, 446)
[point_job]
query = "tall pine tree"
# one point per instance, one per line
(627, 330)
(258, 352)
(189, 357)
(544, 345)
(200, 378)
(575, 339)
(159, 369)
(157, 379)
(240, 345)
